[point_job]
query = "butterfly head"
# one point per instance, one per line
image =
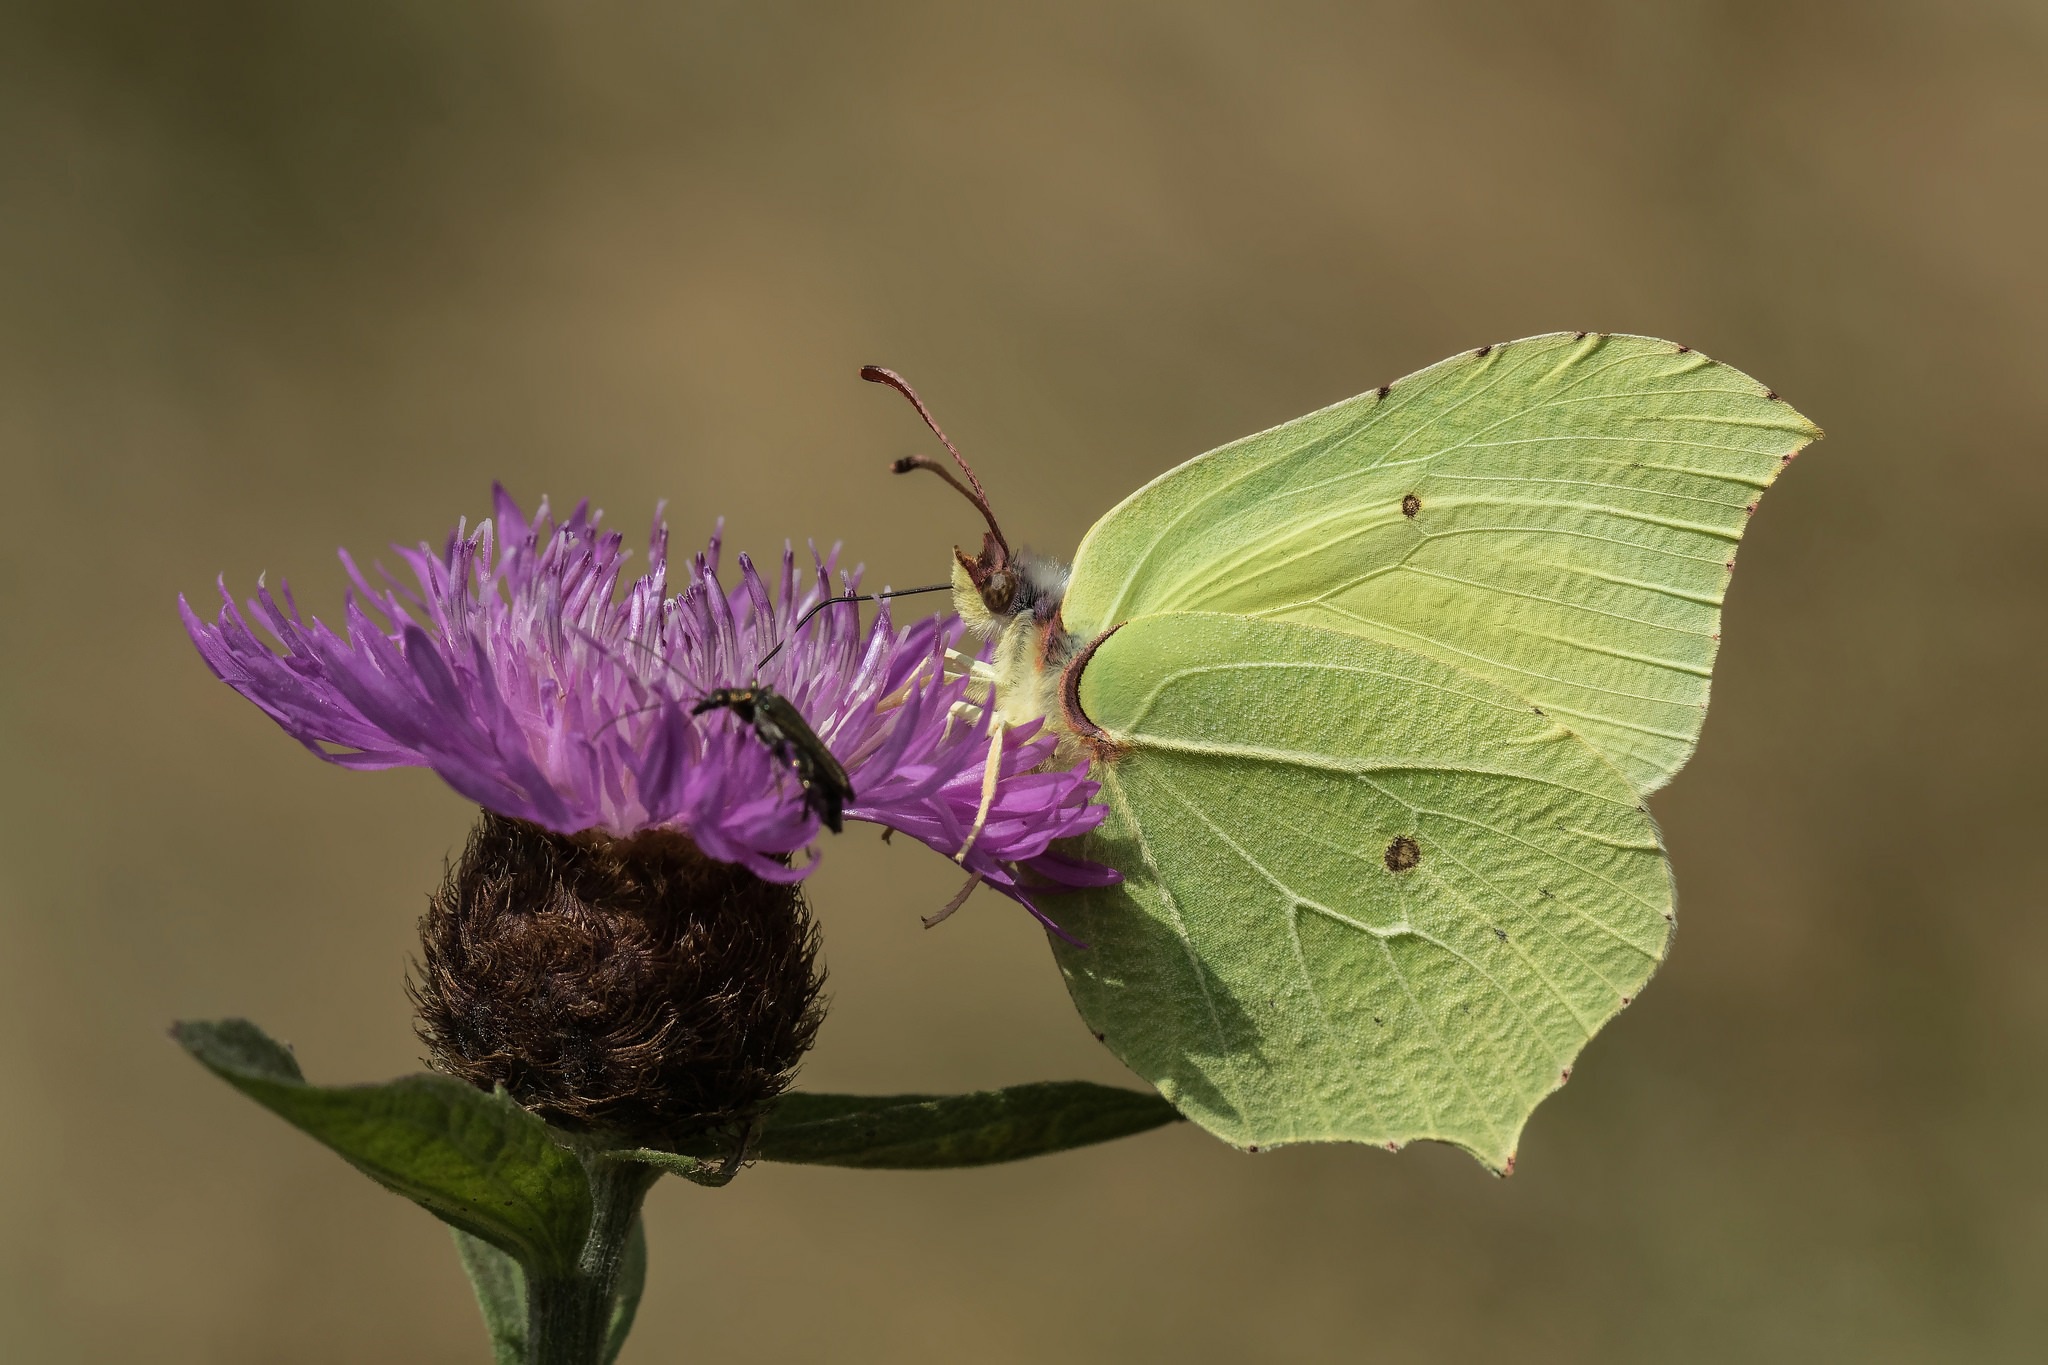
(996, 587)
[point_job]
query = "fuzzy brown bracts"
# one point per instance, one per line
(631, 986)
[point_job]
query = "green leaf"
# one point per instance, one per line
(476, 1161)
(500, 1293)
(922, 1132)
(626, 1296)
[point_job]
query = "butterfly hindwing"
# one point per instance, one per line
(1558, 515)
(1367, 896)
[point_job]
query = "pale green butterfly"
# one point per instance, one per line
(1374, 698)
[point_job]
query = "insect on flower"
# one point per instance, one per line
(1363, 683)
(790, 738)
(782, 727)
(521, 664)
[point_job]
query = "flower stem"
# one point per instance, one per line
(569, 1317)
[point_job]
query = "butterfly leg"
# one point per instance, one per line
(946, 910)
(956, 666)
(991, 774)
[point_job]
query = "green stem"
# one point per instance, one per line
(568, 1317)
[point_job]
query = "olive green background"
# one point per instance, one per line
(279, 277)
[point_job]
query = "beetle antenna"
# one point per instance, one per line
(817, 607)
(876, 374)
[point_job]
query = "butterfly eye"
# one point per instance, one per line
(999, 593)
(994, 580)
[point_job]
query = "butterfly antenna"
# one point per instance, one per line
(817, 607)
(876, 374)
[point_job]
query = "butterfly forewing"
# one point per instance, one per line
(1557, 515)
(1367, 896)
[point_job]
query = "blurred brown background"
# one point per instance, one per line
(277, 277)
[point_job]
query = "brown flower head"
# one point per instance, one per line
(632, 986)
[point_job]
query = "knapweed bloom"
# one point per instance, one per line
(622, 944)
(514, 666)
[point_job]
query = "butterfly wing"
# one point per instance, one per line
(1557, 515)
(1367, 897)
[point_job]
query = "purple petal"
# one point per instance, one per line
(518, 664)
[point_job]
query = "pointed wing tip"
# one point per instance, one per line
(1808, 429)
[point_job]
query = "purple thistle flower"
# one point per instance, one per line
(515, 668)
